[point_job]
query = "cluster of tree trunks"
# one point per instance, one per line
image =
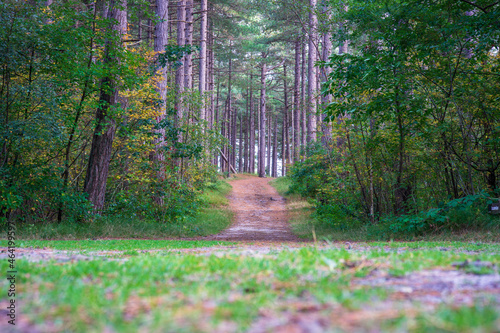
(158, 35)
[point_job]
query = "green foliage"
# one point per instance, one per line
(174, 53)
(318, 180)
(463, 214)
(52, 70)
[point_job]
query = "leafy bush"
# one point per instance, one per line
(467, 213)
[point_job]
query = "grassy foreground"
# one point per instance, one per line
(171, 292)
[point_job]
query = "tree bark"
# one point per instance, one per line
(262, 125)
(297, 105)
(203, 58)
(252, 129)
(230, 122)
(325, 100)
(275, 148)
(286, 153)
(240, 146)
(161, 40)
(311, 72)
(179, 74)
(303, 113)
(104, 133)
(188, 66)
(269, 143)
(245, 150)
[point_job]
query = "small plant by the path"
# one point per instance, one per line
(333, 289)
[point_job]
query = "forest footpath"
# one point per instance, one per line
(259, 212)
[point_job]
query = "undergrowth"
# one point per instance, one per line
(211, 217)
(463, 219)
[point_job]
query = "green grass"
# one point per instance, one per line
(213, 217)
(189, 293)
(114, 244)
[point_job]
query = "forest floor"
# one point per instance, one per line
(256, 276)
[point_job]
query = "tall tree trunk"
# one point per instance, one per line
(240, 146)
(283, 145)
(188, 66)
(217, 121)
(161, 40)
(340, 140)
(252, 129)
(275, 148)
(203, 58)
(179, 74)
(303, 113)
(296, 100)
(104, 133)
(211, 64)
(262, 125)
(311, 72)
(325, 71)
(286, 153)
(269, 143)
(230, 153)
(245, 150)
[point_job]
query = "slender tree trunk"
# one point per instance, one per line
(245, 153)
(240, 146)
(224, 134)
(325, 100)
(104, 133)
(211, 64)
(283, 145)
(252, 128)
(303, 112)
(286, 153)
(188, 67)
(179, 74)
(217, 121)
(296, 100)
(203, 58)
(230, 110)
(311, 72)
(150, 32)
(262, 125)
(269, 143)
(161, 40)
(275, 148)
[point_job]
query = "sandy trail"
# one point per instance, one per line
(260, 212)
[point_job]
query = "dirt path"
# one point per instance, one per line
(260, 212)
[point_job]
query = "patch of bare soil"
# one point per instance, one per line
(260, 213)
